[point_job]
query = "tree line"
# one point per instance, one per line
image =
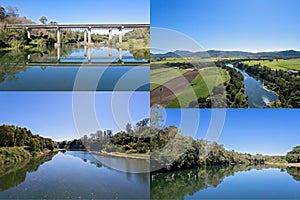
(13, 136)
(134, 139)
(170, 151)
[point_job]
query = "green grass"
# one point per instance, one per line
(138, 155)
(208, 78)
(162, 75)
(13, 154)
(280, 64)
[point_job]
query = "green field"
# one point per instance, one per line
(181, 60)
(277, 64)
(208, 78)
(162, 75)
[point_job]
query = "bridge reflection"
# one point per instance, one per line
(86, 58)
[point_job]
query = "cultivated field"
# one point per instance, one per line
(277, 64)
(208, 78)
(198, 87)
(162, 75)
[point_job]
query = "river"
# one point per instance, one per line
(74, 175)
(50, 69)
(233, 182)
(258, 95)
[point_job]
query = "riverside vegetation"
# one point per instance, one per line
(17, 144)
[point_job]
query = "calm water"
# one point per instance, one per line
(72, 175)
(258, 96)
(228, 183)
(77, 68)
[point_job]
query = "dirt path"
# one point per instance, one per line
(171, 89)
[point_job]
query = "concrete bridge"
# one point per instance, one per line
(86, 27)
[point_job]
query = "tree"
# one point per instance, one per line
(109, 133)
(7, 136)
(2, 13)
(128, 128)
(12, 11)
(43, 20)
(34, 145)
(294, 155)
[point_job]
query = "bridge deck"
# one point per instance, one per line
(62, 26)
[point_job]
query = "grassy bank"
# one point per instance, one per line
(123, 155)
(283, 164)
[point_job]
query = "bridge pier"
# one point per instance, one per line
(110, 52)
(90, 37)
(120, 55)
(84, 50)
(120, 34)
(58, 38)
(85, 37)
(58, 54)
(89, 55)
(28, 32)
(110, 34)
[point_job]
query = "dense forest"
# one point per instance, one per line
(17, 143)
(286, 85)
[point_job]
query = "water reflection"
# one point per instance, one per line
(13, 175)
(72, 54)
(85, 157)
(41, 69)
(294, 172)
(73, 175)
(177, 185)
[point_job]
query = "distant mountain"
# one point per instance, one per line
(227, 54)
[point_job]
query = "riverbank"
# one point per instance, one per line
(11, 155)
(283, 164)
(293, 165)
(122, 155)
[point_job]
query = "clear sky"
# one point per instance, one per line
(266, 131)
(50, 114)
(250, 25)
(86, 11)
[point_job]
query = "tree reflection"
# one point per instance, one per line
(13, 175)
(176, 185)
(294, 172)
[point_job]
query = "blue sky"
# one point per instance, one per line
(88, 11)
(250, 25)
(50, 114)
(266, 131)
